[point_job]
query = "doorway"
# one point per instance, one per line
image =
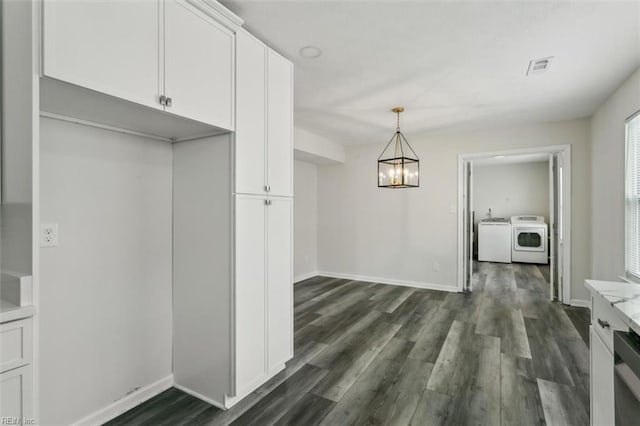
(530, 242)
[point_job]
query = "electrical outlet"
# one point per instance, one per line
(49, 235)
(436, 266)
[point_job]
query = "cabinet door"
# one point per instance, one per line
(279, 125)
(280, 281)
(16, 393)
(198, 66)
(602, 403)
(250, 292)
(108, 46)
(250, 136)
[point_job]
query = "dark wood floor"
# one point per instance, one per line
(368, 353)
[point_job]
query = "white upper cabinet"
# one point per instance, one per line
(110, 47)
(279, 125)
(250, 137)
(264, 120)
(163, 54)
(198, 73)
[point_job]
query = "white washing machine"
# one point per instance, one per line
(530, 241)
(494, 240)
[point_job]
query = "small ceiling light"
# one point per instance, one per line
(398, 166)
(311, 52)
(538, 66)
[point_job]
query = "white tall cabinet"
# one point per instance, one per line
(254, 291)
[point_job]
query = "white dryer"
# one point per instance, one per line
(529, 239)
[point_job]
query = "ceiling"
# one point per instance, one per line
(451, 64)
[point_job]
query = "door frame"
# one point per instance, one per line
(565, 239)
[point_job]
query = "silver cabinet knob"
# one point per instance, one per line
(168, 102)
(163, 100)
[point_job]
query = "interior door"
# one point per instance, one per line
(558, 229)
(553, 292)
(199, 66)
(279, 282)
(467, 194)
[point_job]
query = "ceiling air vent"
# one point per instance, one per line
(538, 66)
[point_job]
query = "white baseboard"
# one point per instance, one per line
(125, 404)
(200, 396)
(303, 277)
(416, 284)
(580, 303)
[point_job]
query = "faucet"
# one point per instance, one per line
(490, 216)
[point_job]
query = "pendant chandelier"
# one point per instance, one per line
(398, 165)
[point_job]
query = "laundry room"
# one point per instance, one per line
(511, 204)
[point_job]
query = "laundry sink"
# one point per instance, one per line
(496, 219)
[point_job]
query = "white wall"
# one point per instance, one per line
(399, 234)
(607, 179)
(314, 148)
(305, 220)
(17, 136)
(17, 102)
(511, 189)
(105, 291)
(202, 233)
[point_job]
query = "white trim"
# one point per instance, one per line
(218, 12)
(402, 283)
(125, 404)
(581, 303)
(628, 279)
(36, 55)
(200, 396)
(101, 126)
(566, 204)
(306, 276)
(461, 259)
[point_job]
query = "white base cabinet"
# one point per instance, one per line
(16, 395)
(604, 321)
(264, 288)
(16, 371)
(602, 404)
(279, 282)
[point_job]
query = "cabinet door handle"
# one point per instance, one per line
(603, 324)
(163, 100)
(267, 202)
(267, 188)
(168, 102)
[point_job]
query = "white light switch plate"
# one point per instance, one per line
(49, 235)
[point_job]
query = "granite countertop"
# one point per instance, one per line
(624, 297)
(11, 312)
